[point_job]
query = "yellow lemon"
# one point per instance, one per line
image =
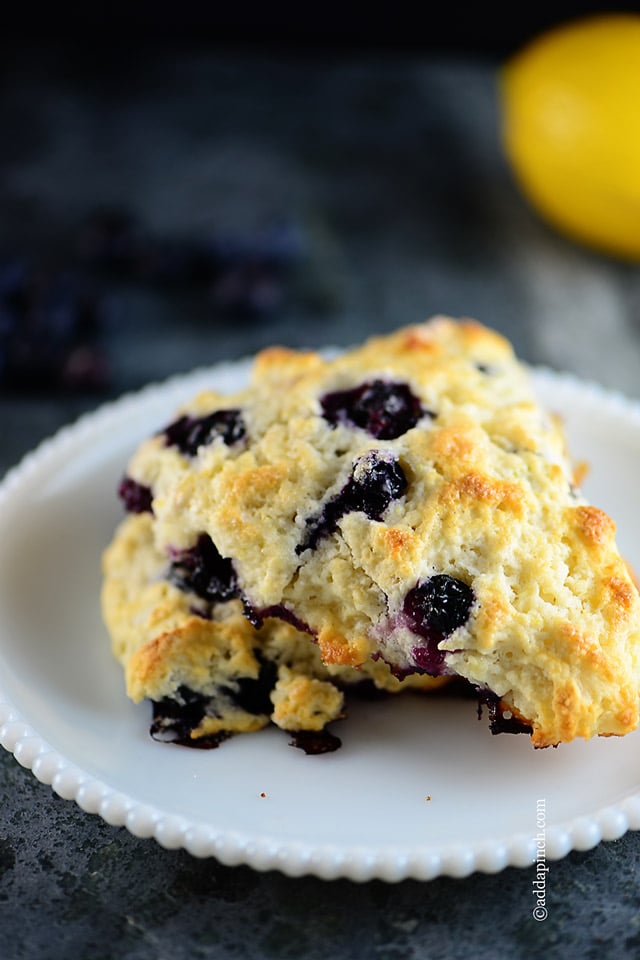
(571, 129)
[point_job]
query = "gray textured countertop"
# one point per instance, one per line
(390, 171)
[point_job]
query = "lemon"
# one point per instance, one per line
(571, 129)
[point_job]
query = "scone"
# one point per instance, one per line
(207, 670)
(408, 501)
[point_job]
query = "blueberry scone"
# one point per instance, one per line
(407, 502)
(186, 646)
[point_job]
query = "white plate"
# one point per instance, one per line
(419, 788)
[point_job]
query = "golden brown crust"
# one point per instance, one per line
(595, 526)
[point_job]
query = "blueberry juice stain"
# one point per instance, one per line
(315, 742)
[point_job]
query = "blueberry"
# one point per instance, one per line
(253, 269)
(114, 241)
(174, 718)
(254, 695)
(203, 571)
(384, 409)
(376, 480)
(434, 609)
(178, 714)
(438, 605)
(190, 433)
(136, 497)
(49, 321)
(244, 274)
(249, 292)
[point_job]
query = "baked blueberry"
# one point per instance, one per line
(203, 571)
(174, 719)
(253, 695)
(136, 497)
(376, 480)
(384, 409)
(190, 433)
(434, 609)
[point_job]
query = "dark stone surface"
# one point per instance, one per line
(71, 886)
(391, 168)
